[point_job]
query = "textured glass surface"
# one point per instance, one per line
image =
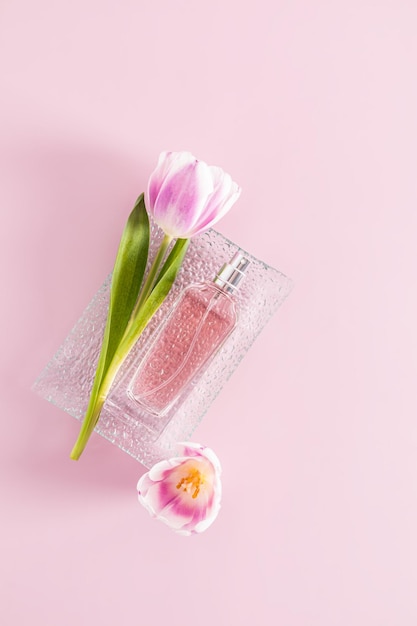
(67, 379)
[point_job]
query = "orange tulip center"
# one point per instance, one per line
(191, 483)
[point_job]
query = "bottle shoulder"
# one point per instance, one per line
(209, 294)
(209, 289)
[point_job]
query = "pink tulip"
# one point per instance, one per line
(184, 492)
(186, 196)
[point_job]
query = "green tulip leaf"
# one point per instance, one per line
(127, 278)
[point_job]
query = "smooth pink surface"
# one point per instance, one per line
(311, 107)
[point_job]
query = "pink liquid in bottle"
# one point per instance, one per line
(200, 322)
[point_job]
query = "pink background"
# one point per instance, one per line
(311, 106)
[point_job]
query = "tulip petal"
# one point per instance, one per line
(182, 198)
(204, 516)
(189, 448)
(224, 195)
(176, 515)
(160, 470)
(168, 162)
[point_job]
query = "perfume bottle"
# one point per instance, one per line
(200, 322)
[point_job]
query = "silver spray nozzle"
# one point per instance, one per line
(230, 275)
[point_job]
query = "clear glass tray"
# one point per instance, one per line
(67, 379)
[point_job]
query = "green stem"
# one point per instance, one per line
(87, 428)
(126, 344)
(150, 280)
(91, 418)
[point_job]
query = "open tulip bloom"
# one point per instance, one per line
(184, 492)
(185, 197)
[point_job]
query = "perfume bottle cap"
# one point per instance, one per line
(231, 273)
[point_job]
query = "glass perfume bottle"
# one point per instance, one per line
(200, 322)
